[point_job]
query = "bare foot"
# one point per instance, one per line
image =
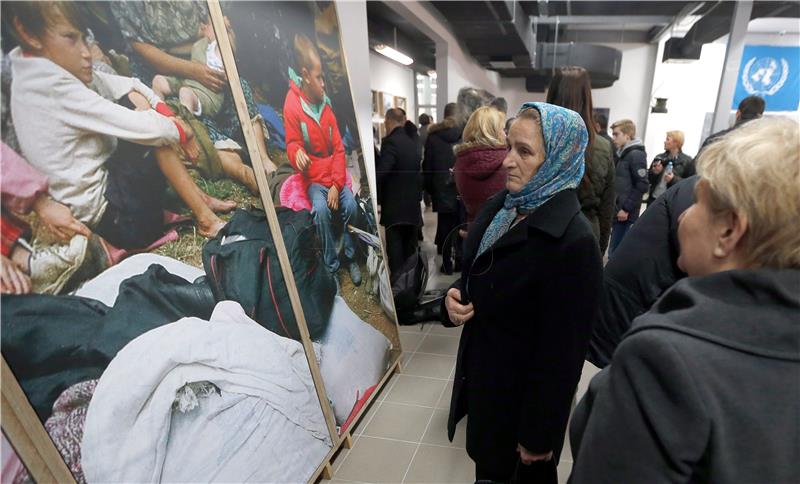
(209, 229)
(218, 206)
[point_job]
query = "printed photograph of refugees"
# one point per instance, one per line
(135, 249)
(290, 59)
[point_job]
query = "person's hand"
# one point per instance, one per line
(668, 177)
(622, 216)
(529, 458)
(457, 312)
(58, 219)
(302, 160)
(211, 78)
(657, 167)
(12, 279)
(333, 198)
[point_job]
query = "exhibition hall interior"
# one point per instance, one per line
(518, 241)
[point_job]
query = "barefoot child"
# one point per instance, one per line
(97, 152)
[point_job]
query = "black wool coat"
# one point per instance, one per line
(437, 165)
(535, 292)
(399, 179)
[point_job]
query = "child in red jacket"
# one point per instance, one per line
(314, 148)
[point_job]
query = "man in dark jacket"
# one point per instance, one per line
(439, 182)
(646, 266)
(669, 167)
(399, 188)
(751, 107)
(601, 128)
(631, 179)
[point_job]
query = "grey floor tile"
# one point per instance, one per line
(376, 460)
(439, 329)
(433, 366)
(387, 387)
(410, 341)
(440, 465)
(439, 345)
(416, 390)
(437, 431)
(589, 372)
(444, 401)
(400, 422)
(414, 329)
(341, 456)
(364, 421)
(564, 470)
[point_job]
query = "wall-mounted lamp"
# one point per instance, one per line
(393, 54)
(661, 106)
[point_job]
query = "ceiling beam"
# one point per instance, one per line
(688, 9)
(606, 19)
(606, 36)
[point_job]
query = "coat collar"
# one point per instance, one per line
(552, 218)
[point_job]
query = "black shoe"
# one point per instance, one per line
(355, 274)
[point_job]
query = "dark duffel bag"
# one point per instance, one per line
(408, 284)
(242, 265)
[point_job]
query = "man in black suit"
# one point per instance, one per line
(399, 187)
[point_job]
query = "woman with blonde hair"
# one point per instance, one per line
(703, 388)
(479, 171)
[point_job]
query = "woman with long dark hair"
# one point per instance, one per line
(571, 88)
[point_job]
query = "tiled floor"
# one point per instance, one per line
(403, 436)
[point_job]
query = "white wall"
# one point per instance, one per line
(454, 66)
(691, 89)
(395, 79)
(353, 28)
(629, 97)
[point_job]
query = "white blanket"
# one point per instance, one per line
(265, 426)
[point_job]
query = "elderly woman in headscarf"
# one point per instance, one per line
(527, 296)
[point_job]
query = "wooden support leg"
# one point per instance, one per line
(348, 441)
(327, 471)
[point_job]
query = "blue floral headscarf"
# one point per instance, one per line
(565, 140)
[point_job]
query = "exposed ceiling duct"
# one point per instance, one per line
(716, 22)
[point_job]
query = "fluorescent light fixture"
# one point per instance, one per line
(393, 54)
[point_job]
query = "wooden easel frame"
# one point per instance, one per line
(228, 58)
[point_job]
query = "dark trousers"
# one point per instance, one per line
(135, 193)
(618, 231)
(401, 243)
(540, 472)
(447, 239)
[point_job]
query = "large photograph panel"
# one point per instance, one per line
(290, 58)
(146, 317)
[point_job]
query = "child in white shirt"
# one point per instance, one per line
(96, 152)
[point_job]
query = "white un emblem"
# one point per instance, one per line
(765, 75)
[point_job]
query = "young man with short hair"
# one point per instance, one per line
(631, 179)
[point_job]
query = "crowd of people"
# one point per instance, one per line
(693, 318)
